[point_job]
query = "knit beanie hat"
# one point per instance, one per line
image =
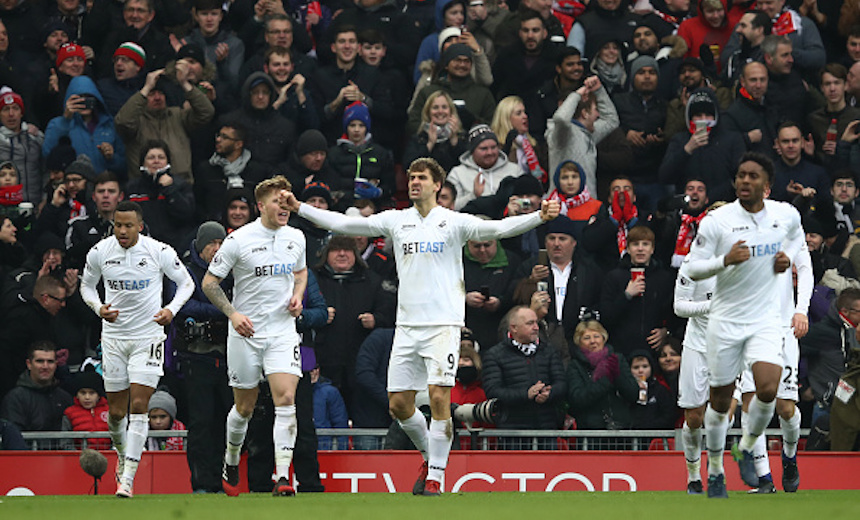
(700, 102)
(644, 61)
(480, 133)
(68, 50)
(83, 167)
(89, 379)
(527, 184)
(311, 141)
(562, 224)
(164, 401)
(455, 51)
(208, 232)
(10, 97)
(132, 51)
(317, 189)
(193, 51)
(446, 33)
(356, 111)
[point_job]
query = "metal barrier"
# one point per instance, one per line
(482, 440)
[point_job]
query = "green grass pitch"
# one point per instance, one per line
(805, 505)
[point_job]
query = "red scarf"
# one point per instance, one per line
(313, 8)
(623, 216)
(786, 23)
(12, 195)
(686, 234)
(77, 209)
(569, 202)
(531, 159)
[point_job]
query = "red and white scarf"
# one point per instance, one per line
(786, 23)
(686, 234)
(527, 158)
(568, 202)
(12, 195)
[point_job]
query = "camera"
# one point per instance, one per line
(89, 103)
(524, 203)
(488, 412)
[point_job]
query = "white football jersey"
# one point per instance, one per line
(263, 262)
(133, 285)
(693, 301)
(429, 254)
(748, 292)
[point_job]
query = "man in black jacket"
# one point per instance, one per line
(527, 377)
(750, 114)
(523, 67)
(86, 231)
(38, 402)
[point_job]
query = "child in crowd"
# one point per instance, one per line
(11, 189)
(162, 416)
(655, 408)
(90, 411)
(573, 195)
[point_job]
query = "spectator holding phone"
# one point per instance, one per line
(489, 270)
(87, 123)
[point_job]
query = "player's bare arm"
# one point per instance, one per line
(738, 254)
(212, 289)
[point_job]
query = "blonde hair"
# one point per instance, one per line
(589, 325)
(501, 124)
(275, 184)
(425, 112)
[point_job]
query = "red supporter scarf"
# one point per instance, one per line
(686, 234)
(12, 195)
(745, 93)
(787, 23)
(569, 202)
(77, 209)
(674, 20)
(623, 216)
(532, 160)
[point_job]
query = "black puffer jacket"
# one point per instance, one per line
(508, 374)
(35, 408)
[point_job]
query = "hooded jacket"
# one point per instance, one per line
(463, 177)
(25, 150)
(429, 49)
(83, 140)
(270, 136)
(35, 408)
(715, 163)
(697, 31)
(581, 213)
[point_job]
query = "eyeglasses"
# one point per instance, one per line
(225, 136)
(841, 184)
(69, 180)
(51, 296)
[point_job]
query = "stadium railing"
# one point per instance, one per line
(481, 440)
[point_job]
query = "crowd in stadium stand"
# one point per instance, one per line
(632, 114)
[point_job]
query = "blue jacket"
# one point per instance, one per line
(329, 412)
(429, 49)
(84, 141)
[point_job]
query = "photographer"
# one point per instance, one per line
(167, 200)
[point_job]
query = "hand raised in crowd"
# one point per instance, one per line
(850, 134)
(151, 80)
(697, 140)
(657, 337)
(106, 149)
(60, 196)
(808, 145)
(175, 42)
(70, 280)
(540, 303)
(53, 82)
(209, 90)
(367, 319)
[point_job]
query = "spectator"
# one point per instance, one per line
(753, 27)
(85, 231)
(834, 81)
(309, 164)
(11, 190)
(148, 117)
(11, 251)
(795, 175)
(21, 143)
(69, 200)
(71, 63)
(371, 371)
(573, 283)
(166, 198)
(482, 71)
(489, 272)
(655, 409)
(360, 304)
(583, 120)
(270, 136)
(137, 26)
(293, 101)
(608, 64)
(201, 342)
(636, 300)
(677, 221)
(691, 76)
(129, 60)
(845, 413)
(844, 190)
(643, 116)
(162, 416)
(240, 209)
(482, 168)
(231, 166)
(606, 236)
(609, 19)
(329, 411)
(512, 121)
(750, 113)
(39, 67)
(22, 19)
(667, 16)
(37, 402)
(483, 20)
(279, 30)
(357, 155)
(455, 78)
(447, 195)
(56, 163)
(705, 151)
(569, 76)
(667, 50)
(90, 128)
(521, 68)
(600, 386)
(449, 13)
(10, 436)
(440, 133)
(786, 90)
(669, 359)
(527, 377)
(221, 46)
(90, 409)
(576, 201)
